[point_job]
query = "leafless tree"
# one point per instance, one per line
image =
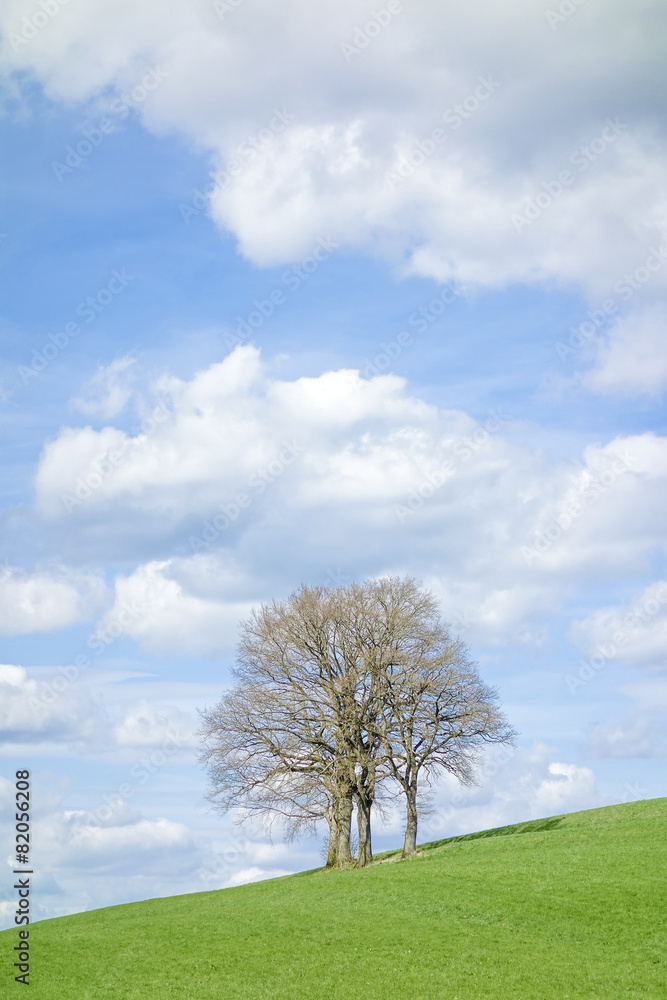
(287, 723)
(436, 712)
(272, 757)
(337, 691)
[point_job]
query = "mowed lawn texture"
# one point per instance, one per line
(561, 908)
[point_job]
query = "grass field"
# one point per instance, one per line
(570, 907)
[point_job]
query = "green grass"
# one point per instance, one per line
(570, 907)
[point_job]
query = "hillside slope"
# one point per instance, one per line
(570, 907)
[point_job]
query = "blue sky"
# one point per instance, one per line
(431, 333)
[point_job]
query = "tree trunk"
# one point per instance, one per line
(365, 796)
(332, 849)
(365, 855)
(339, 853)
(410, 843)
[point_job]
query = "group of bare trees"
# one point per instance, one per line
(339, 693)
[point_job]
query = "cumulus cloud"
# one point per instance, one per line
(335, 471)
(569, 787)
(7, 792)
(42, 601)
(162, 613)
(469, 223)
(145, 724)
(107, 393)
(111, 853)
(601, 498)
(634, 633)
(60, 712)
(39, 711)
(640, 734)
(262, 853)
(631, 358)
(456, 153)
(507, 100)
(232, 429)
(256, 874)
(127, 842)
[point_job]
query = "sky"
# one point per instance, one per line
(314, 294)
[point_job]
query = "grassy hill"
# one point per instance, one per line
(570, 907)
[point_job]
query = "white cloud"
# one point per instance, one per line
(355, 121)
(108, 391)
(589, 516)
(140, 838)
(111, 853)
(262, 853)
(634, 633)
(42, 602)
(144, 724)
(312, 183)
(227, 429)
(482, 207)
(154, 607)
(245, 466)
(256, 874)
(70, 712)
(631, 358)
(514, 786)
(33, 711)
(568, 788)
(120, 846)
(640, 734)
(7, 792)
